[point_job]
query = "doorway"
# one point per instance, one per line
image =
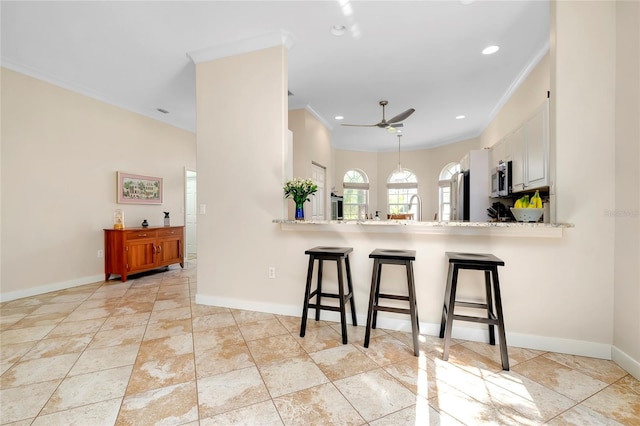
(318, 175)
(190, 216)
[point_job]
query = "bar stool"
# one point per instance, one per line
(392, 257)
(479, 262)
(336, 254)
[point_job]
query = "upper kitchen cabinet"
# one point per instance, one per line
(528, 149)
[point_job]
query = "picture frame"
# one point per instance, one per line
(139, 189)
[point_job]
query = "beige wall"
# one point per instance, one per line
(626, 336)
(60, 154)
(241, 136)
(311, 144)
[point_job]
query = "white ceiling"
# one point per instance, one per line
(415, 54)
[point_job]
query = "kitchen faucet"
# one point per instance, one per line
(419, 215)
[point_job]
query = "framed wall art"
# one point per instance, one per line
(138, 189)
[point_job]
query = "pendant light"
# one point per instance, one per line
(399, 168)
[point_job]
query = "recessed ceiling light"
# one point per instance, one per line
(489, 50)
(338, 30)
(459, 117)
(339, 117)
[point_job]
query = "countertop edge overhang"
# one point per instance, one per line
(498, 229)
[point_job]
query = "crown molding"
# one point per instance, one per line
(219, 51)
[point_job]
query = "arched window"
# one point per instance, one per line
(401, 185)
(444, 185)
(355, 203)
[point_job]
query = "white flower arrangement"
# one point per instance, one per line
(299, 190)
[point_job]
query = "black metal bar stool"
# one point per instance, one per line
(392, 257)
(336, 254)
(480, 262)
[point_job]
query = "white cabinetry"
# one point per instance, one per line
(528, 149)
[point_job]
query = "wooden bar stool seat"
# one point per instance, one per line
(494, 317)
(392, 257)
(321, 254)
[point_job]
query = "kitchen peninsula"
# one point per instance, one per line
(506, 229)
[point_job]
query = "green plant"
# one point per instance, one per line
(299, 189)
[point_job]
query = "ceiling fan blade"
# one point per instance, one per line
(401, 116)
(359, 125)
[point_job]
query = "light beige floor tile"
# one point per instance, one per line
(355, 334)
(50, 308)
(420, 414)
(166, 328)
(262, 328)
(70, 297)
(126, 321)
(160, 373)
(162, 305)
(262, 413)
(492, 352)
(222, 359)
(581, 416)
(82, 314)
(71, 328)
(204, 310)
(130, 307)
(116, 337)
(472, 362)
(59, 346)
(292, 324)
(342, 361)
(319, 338)
(93, 360)
(616, 402)
(179, 313)
(274, 349)
(630, 383)
(77, 391)
(22, 335)
(385, 350)
(211, 339)
(171, 405)
(427, 343)
(173, 292)
(53, 318)
(320, 405)
(38, 370)
(562, 379)
(10, 354)
(467, 410)
(208, 322)
(25, 402)
(375, 394)
(9, 319)
(166, 347)
(418, 374)
(229, 391)
(542, 402)
(291, 375)
(102, 413)
(601, 369)
(242, 316)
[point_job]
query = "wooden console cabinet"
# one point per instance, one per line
(132, 250)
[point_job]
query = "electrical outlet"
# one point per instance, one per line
(100, 253)
(272, 272)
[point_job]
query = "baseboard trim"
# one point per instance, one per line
(48, 288)
(629, 364)
(527, 341)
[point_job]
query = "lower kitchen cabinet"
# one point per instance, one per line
(133, 250)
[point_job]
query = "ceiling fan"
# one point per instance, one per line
(391, 124)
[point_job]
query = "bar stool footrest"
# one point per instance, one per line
(491, 321)
(392, 309)
(393, 296)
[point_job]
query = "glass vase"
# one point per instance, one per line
(299, 211)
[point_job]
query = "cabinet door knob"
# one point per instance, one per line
(159, 249)
(142, 235)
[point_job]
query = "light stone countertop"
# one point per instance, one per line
(515, 229)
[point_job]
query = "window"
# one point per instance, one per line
(444, 184)
(401, 185)
(355, 202)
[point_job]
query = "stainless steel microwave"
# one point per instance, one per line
(501, 180)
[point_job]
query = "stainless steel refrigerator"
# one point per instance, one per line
(470, 188)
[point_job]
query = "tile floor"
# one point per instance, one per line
(142, 353)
